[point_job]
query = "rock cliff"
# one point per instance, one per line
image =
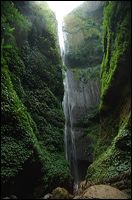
(32, 90)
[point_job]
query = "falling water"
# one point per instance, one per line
(69, 131)
(60, 36)
(78, 98)
(65, 101)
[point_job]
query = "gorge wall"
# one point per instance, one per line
(96, 97)
(107, 126)
(32, 148)
(112, 163)
(83, 54)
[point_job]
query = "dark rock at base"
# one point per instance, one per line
(102, 192)
(47, 196)
(13, 197)
(60, 193)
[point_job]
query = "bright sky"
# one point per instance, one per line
(62, 8)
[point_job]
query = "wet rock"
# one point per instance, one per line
(83, 186)
(77, 197)
(71, 196)
(47, 196)
(104, 192)
(60, 193)
(13, 197)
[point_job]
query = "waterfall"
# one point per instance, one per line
(65, 82)
(69, 133)
(79, 97)
(60, 36)
(70, 146)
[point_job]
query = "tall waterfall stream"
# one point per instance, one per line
(78, 98)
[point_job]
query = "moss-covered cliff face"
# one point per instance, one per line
(32, 90)
(112, 162)
(108, 128)
(83, 35)
(96, 100)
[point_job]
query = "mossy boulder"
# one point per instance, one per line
(60, 193)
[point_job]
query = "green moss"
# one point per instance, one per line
(14, 16)
(113, 144)
(116, 41)
(58, 173)
(115, 160)
(60, 193)
(84, 31)
(32, 91)
(84, 75)
(18, 130)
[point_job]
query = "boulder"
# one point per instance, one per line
(47, 196)
(13, 197)
(104, 192)
(60, 193)
(77, 197)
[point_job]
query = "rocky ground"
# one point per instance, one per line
(87, 190)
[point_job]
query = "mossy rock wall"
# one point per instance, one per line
(32, 90)
(83, 35)
(113, 156)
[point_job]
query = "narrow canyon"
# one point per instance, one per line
(66, 100)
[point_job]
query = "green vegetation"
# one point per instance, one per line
(32, 149)
(117, 35)
(86, 74)
(19, 140)
(84, 33)
(113, 144)
(91, 124)
(116, 159)
(32, 90)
